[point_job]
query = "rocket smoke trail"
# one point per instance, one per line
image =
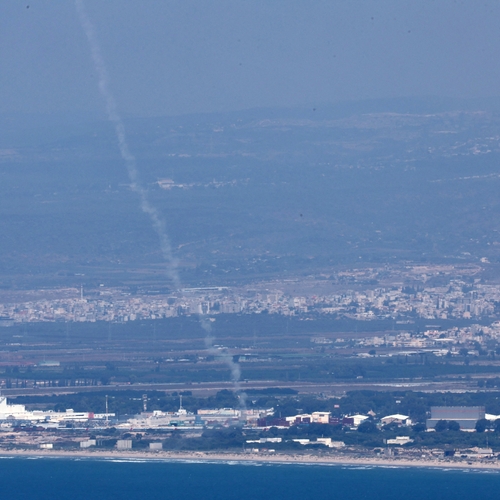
(146, 206)
(114, 117)
(225, 357)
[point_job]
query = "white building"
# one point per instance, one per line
(396, 419)
(19, 412)
(320, 417)
(331, 444)
(124, 444)
(13, 412)
(316, 417)
(88, 443)
(491, 418)
(400, 440)
(358, 419)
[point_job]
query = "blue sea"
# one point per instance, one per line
(54, 478)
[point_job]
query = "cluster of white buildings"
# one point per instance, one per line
(328, 442)
(456, 300)
(202, 418)
(439, 342)
(12, 414)
(16, 412)
(406, 292)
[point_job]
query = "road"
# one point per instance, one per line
(208, 388)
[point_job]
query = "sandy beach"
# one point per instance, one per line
(277, 458)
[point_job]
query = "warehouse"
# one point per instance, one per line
(466, 416)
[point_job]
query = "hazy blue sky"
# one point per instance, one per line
(183, 56)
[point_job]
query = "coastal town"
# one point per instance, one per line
(457, 296)
(461, 325)
(354, 294)
(259, 432)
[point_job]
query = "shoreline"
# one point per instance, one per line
(275, 458)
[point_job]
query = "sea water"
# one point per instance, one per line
(51, 478)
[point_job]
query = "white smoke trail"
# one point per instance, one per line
(226, 358)
(157, 222)
(114, 117)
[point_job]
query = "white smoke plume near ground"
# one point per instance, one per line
(225, 357)
(146, 206)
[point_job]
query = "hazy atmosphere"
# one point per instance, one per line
(175, 57)
(250, 232)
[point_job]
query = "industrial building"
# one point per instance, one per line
(466, 416)
(11, 412)
(124, 444)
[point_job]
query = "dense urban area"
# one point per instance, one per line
(455, 299)
(401, 295)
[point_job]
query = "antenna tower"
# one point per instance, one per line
(107, 410)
